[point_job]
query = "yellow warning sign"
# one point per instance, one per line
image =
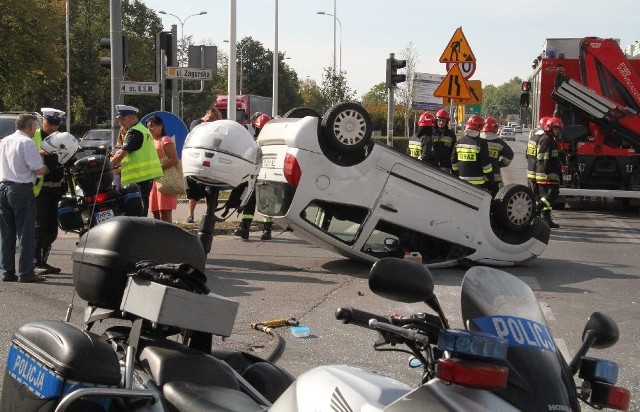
(475, 89)
(453, 86)
(458, 49)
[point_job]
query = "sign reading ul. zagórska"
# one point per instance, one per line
(189, 73)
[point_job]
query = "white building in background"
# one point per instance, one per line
(633, 50)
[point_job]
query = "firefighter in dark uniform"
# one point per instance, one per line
(532, 155)
(425, 134)
(548, 169)
(500, 152)
(48, 190)
(443, 141)
(258, 122)
(470, 157)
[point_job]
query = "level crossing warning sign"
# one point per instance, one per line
(453, 85)
(458, 49)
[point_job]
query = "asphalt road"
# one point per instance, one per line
(591, 264)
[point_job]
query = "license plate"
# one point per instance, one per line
(269, 162)
(101, 217)
(566, 178)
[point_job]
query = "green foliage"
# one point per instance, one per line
(500, 101)
(377, 94)
(334, 86)
(311, 96)
(400, 144)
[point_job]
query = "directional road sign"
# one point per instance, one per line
(140, 88)
(189, 73)
(457, 50)
(453, 86)
(475, 90)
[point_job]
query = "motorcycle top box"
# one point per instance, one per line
(93, 174)
(107, 252)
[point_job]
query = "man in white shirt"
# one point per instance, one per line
(20, 164)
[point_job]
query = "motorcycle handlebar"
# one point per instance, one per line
(409, 334)
(358, 317)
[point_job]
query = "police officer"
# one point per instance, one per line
(425, 134)
(48, 190)
(137, 158)
(548, 169)
(258, 122)
(532, 155)
(500, 152)
(470, 156)
(443, 141)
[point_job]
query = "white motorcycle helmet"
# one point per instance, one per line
(222, 154)
(64, 144)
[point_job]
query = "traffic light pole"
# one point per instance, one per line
(117, 73)
(390, 106)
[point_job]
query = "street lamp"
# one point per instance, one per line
(335, 18)
(182, 22)
(241, 62)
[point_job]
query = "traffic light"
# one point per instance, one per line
(393, 78)
(105, 43)
(164, 41)
(526, 86)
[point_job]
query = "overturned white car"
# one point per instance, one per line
(326, 180)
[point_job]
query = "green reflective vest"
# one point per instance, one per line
(40, 179)
(142, 164)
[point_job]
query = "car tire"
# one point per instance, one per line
(300, 112)
(346, 127)
(513, 207)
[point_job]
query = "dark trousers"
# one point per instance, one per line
(47, 219)
(548, 194)
(17, 222)
(145, 191)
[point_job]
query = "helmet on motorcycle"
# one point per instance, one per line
(551, 123)
(475, 122)
(260, 121)
(426, 119)
(442, 114)
(490, 125)
(222, 154)
(542, 121)
(64, 144)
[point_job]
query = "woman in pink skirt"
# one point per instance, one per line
(162, 205)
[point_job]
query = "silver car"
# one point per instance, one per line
(507, 133)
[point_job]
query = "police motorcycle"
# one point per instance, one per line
(505, 359)
(92, 199)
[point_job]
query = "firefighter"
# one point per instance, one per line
(258, 122)
(500, 152)
(548, 169)
(470, 156)
(443, 141)
(48, 190)
(531, 155)
(425, 133)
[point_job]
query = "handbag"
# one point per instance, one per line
(172, 181)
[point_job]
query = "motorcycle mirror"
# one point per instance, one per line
(605, 328)
(401, 280)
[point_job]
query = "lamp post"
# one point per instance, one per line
(241, 61)
(335, 18)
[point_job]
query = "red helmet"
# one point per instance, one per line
(475, 122)
(490, 125)
(552, 122)
(426, 119)
(442, 114)
(542, 121)
(260, 121)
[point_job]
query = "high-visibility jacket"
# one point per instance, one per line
(142, 164)
(500, 154)
(532, 154)
(470, 160)
(37, 138)
(442, 143)
(548, 165)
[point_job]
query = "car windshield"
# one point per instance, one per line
(7, 126)
(97, 135)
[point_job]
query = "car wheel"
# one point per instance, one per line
(300, 112)
(513, 207)
(346, 127)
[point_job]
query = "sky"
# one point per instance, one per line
(504, 35)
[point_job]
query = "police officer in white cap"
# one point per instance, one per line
(137, 158)
(48, 190)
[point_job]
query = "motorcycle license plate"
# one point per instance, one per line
(103, 216)
(566, 178)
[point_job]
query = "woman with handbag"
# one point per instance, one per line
(163, 198)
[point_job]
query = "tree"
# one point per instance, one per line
(311, 96)
(405, 92)
(334, 86)
(500, 101)
(377, 94)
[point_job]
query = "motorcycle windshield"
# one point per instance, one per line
(498, 303)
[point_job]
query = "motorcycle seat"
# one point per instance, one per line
(168, 361)
(192, 397)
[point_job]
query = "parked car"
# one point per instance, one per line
(94, 141)
(507, 133)
(8, 122)
(326, 180)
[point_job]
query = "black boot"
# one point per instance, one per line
(546, 216)
(266, 231)
(243, 229)
(41, 266)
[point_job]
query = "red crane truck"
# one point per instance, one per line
(595, 89)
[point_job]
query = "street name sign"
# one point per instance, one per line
(140, 88)
(189, 73)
